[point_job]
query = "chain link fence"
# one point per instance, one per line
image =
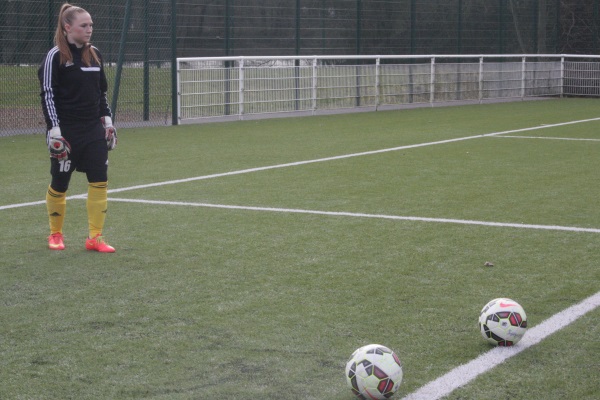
(139, 40)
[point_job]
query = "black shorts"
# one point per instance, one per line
(89, 154)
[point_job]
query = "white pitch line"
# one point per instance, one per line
(293, 164)
(465, 373)
(37, 203)
(365, 153)
(359, 215)
(549, 138)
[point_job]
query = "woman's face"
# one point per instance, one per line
(80, 31)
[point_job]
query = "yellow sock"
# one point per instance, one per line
(56, 203)
(97, 203)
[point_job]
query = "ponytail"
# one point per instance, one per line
(66, 16)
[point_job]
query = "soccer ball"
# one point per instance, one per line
(503, 322)
(374, 372)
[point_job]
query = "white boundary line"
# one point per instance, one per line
(465, 373)
(359, 215)
(365, 153)
(293, 164)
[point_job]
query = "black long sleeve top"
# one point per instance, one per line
(72, 93)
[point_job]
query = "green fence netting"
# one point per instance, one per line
(139, 38)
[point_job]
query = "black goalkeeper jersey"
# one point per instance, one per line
(73, 94)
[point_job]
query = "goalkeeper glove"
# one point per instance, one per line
(110, 133)
(58, 145)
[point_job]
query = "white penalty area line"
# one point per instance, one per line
(364, 153)
(465, 373)
(297, 163)
(359, 215)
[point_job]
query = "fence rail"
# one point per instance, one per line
(240, 87)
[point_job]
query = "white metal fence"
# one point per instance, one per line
(235, 87)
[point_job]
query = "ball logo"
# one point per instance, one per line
(504, 305)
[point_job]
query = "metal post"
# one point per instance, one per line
(557, 36)
(146, 101)
(536, 26)
(358, 68)
(297, 27)
(297, 61)
(523, 70)
(459, 51)
(562, 76)
(413, 47)
(18, 28)
(459, 29)
(174, 66)
(227, 27)
(480, 79)
(241, 88)
(314, 85)
(501, 28)
(596, 45)
(51, 23)
(413, 23)
(227, 64)
(111, 29)
(120, 61)
(358, 25)
(377, 72)
(432, 81)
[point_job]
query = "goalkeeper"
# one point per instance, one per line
(80, 130)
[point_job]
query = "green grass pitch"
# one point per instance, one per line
(268, 299)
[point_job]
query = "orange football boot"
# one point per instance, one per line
(97, 243)
(56, 241)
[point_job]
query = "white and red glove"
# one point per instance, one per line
(58, 145)
(110, 133)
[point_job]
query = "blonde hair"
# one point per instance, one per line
(66, 16)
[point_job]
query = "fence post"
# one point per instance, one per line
(297, 60)
(229, 63)
(480, 79)
(432, 81)
(51, 23)
(501, 27)
(241, 88)
(377, 100)
(297, 29)
(459, 28)
(146, 82)
(413, 29)
(314, 85)
(174, 65)
(558, 29)
(228, 19)
(177, 89)
(595, 25)
(358, 25)
(562, 76)
(120, 61)
(523, 65)
(297, 83)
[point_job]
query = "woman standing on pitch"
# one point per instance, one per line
(80, 130)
